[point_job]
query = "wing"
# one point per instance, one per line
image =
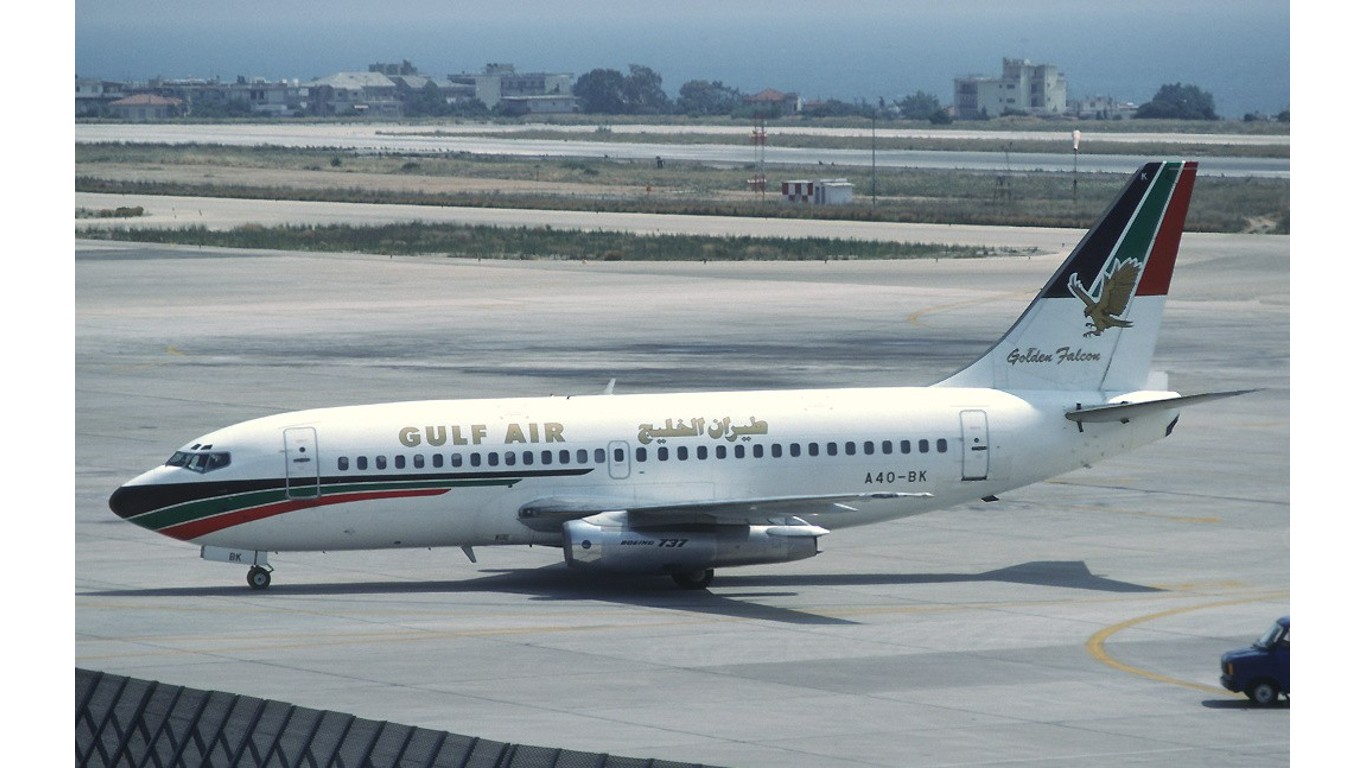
(1119, 288)
(549, 514)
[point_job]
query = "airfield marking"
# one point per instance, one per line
(1096, 644)
(914, 317)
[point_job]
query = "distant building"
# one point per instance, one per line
(146, 106)
(1102, 108)
(214, 97)
(821, 192)
(354, 93)
(1024, 88)
(501, 85)
(778, 102)
(93, 97)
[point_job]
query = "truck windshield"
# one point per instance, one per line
(1271, 637)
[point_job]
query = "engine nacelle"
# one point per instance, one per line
(607, 542)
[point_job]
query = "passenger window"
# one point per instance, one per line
(832, 449)
(887, 447)
(457, 460)
(493, 458)
(564, 457)
(796, 449)
(599, 455)
(438, 460)
(476, 459)
(343, 463)
(777, 450)
(850, 449)
(905, 446)
(528, 458)
(720, 451)
(942, 445)
(641, 453)
(547, 457)
(618, 455)
(419, 461)
(582, 455)
(381, 462)
(510, 458)
(400, 461)
(759, 451)
(362, 463)
(702, 452)
(924, 446)
(682, 453)
(739, 451)
(663, 454)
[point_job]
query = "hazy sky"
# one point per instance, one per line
(1237, 50)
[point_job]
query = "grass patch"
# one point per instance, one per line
(1022, 198)
(477, 241)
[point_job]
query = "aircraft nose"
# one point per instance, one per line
(130, 500)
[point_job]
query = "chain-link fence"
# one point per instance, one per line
(122, 721)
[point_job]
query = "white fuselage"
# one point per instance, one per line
(459, 472)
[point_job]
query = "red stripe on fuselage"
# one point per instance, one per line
(1157, 274)
(196, 528)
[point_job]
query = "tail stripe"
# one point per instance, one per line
(1091, 255)
(1157, 277)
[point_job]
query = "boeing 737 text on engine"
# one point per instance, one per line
(681, 484)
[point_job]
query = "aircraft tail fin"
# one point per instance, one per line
(1094, 325)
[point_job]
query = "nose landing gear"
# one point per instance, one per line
(258, 577)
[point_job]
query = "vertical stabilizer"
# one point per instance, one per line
(1094, 325)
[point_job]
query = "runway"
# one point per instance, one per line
(1075, 622)
(386, 138)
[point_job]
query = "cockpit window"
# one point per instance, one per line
(199, 460)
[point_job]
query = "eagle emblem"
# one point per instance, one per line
(1115, 292)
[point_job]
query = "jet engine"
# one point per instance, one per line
(610, 542)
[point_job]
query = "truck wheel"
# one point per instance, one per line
(1263, 693)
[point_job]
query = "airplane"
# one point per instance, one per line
(681, 484)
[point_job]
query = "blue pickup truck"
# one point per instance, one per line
(1262, 671)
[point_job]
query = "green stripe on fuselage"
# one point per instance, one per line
(218, 505)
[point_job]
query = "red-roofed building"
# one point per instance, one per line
(779, 102)
(146, 106)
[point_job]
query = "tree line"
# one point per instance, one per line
(640, 91)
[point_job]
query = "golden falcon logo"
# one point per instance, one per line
(1115, 292)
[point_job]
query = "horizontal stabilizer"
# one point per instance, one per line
(1126, 411)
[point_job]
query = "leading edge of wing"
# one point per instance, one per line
(757, 511)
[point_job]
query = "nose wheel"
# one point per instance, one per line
(258, 577)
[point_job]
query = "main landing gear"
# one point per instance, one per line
(258, 577)
(699, 579)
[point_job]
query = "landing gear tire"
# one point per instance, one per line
(694, 579)
(1264, 694)
(258, 577)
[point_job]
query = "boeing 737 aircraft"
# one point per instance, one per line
(681, 484)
